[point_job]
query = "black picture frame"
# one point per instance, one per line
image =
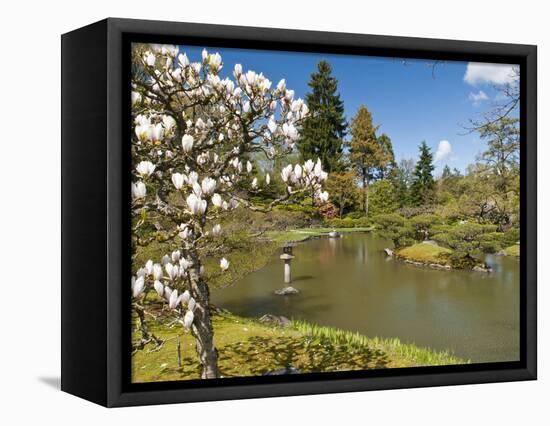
(95, 211)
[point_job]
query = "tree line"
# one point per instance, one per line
(365, 180)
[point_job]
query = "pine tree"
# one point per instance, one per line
(323, 131)
(367, 154)
(422, 189)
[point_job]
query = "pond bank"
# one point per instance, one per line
(248, 347)
(428, 254)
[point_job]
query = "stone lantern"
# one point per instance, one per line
(287, 258)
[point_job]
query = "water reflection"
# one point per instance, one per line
(350, 284)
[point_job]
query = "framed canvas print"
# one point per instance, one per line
(253, 212)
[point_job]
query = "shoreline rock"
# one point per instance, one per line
(278, 320)
(287, 291)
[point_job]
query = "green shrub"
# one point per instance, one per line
(347, 222)
(395, 227)
(510, 237)
(423, 224)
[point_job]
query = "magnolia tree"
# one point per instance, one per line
(194, 137)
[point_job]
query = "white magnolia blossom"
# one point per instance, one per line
(145, 168)
(171, 270)
(188, 319)
(138, 190)
(159, 288)
(168, 122)
(149, 267)
(208, 185)
(173, 300)
(178, 180)
(267, 179)
(157, 271)
(175, 256)
(323, 196)
(224, 264)
(197, 206)
(149, 59)
(185, 296)
(217, 200)
(184, 231)
(216, 230)
(136, 97)
(138, 285)
(187, 143)
(254, 183)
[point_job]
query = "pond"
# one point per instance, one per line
(349, 283)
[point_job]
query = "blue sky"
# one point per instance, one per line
(406, 100)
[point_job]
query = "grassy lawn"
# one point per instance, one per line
(249, 348)
(512, 250)
(425, 253)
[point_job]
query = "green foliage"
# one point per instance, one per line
(422, 189)
(423, 224)
(370, 155)
(396, 228)
(394, 346)
(502, 153)
(468, 241)
(401, 177)
(325, 127)
(513, 251)
(348, 222)
(343, 191)
(382, 198)
(510, 237)
(388, 157)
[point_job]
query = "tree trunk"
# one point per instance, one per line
(202, 325)
(366, 195)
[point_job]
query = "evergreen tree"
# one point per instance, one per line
(323, 131)
(446, 172)
(401, 177)
(368, 155)
(388, 162)
(422, 189)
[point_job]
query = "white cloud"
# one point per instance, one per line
(444, 151)
(481, 73)
(478, 97)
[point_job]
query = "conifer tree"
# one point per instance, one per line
(367, 154)
(422, 189)
(324, 129)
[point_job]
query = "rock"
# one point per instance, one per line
(389, 252)
(283, 371)
(277, 320)
(478, 268)
(286, 291)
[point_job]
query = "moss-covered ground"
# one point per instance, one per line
(512, 251)
(428, 253)
(248, 347)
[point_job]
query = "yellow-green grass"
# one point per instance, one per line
(512, 250)
(425, 253)
(247, 347)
